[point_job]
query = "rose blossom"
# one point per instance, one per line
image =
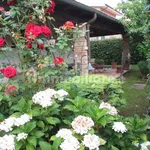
(11, 2)
(29, 45)
(68, 25)
(2, 9)
(45, 30)
(10, 89)
(58, 60)
(50, 10)
(41, 46)
(2, 41)
(32, 31)
(9, 71)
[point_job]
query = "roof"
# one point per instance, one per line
(71, 10)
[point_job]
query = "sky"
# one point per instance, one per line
(112, 3)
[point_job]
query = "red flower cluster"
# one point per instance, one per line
(50, 10)
(41, 46)
(11, 2)
(58, 60)
(2, 41)
(10, 89)
(68, 25)
(33, 31)
(9, 71)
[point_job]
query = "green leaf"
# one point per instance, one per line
(18, 145)
(56, 143)
(53, 120)
(38, 134)
(114, 148)
(103, 142)
(32, 140)
(41, 124)
(143, 137)
(30, 126)
(29, 147)
(45, 145)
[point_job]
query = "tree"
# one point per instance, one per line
(134, 22)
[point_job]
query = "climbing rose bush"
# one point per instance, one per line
(2, 41)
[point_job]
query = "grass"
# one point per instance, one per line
(136, 98)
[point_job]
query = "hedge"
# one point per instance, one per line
(110, 50)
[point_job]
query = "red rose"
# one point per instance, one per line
(29, 45)
(32, 31)
(58, 61)
(2, 41)
(41, 46)
(10, 89)
(69, 25)
(11, 2)
(9, 71)
(50, 10)
(45, 30)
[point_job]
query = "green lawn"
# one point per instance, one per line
(136, 98)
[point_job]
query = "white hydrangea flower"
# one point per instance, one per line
(21, 136)
(91, 141)
(22, 120)
(60, 95)
(112, 109)
(82, 124)
(144, 145)
(64, 133)
(70, 144)
(119, 127)
(7, 142)
(7, 124)
(44, 98)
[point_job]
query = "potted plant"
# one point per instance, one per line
(143, 66)
(99, 62)
(114, 64)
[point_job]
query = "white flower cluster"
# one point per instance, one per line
(44, 98)
(112, 109)
(7, 142)
(82, 124)
(21, 136)
(70, 142)
(91, 141)
(144, 145)
(8, 124)
(61, 94)
(64, 133)
(119, 127)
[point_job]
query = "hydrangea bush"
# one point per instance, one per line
(35, 116)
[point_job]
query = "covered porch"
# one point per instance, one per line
(94, 23)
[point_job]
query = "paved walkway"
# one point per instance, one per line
(111, 73)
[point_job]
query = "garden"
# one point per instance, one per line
(46, 106)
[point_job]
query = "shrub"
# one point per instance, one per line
(97, 87)
(51, 120)
(143, 66)
(110, 50)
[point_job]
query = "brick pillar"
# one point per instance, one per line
(80, 52)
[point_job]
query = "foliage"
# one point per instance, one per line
(143, 66)
(134, 22)
(110, 50)
(97, 87)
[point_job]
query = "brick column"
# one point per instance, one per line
(80, 52)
